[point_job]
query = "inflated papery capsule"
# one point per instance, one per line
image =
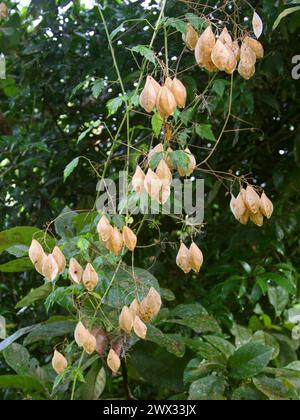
(90, 344)
(236, 50)
(223, 57)
(59, 362)
(104, 229)
(155, 300)
(126, 319)
(129, 238)
(192, 163)
(150, 305)
(138, 180)
(239, 208)
(60, 259)
(190, 38)
(149, 95)
(165, 193)
(226, 39)
(246, 72)
(39, 265)
(257, 219)
(164, 173)
(203, 50)
(266, 206)
(166, 102)
(252, 200)
(183, 259)
(84, 338)
(139, 328)
(75, 271)
(159, 148)
(179, 91)
(247, 62)
(35, 252)
(152, 185)
(134, 307)
(113, 361)
(168, 82)
(255, 46)
(90, 277)
(50, 268)
(116, 241)
(195, 258)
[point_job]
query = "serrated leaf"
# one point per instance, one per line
(98, 87)
(177, 24)
(70, 168)
(197, 22)
(205, 132)
(145, 52)
(113, 105)
(180, 160)
(157, 123)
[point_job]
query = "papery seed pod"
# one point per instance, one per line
(138, 180)
(150, 306)
(246, 72)
(50, 268)
(116, 241)
(139, 328)
(80, 334)
(190, 38)
(236, 50)
(113, 361)
(257, 25)
(247, 62)
(223, 57)
(183, 259)
(255, 46)
(126, 320)
(165, 194)
(104, 229)
(134, 307)
(168, 158)
(239, 209)
(152, 185)
(149, 95)
(90, 343)
(35, 252)
(159, 148)
(169, 82)
(203, 50)
(75, 271)
(164, 173)
(179, 91)
(266, 206)
(154, 299)
(192, 164)
(195, 258)
(39, 265)
(90, 277)
(129, 238)
(59, 362)
(60, 259)
(166, 102)
(252, 200)
(257, 219)
(225, 38)
(3, 11)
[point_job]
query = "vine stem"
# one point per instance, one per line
(75, 379)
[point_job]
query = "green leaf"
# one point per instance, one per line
(249, 360)
(18, 358)
(98, 87)
(247, 393)
(279, 298)
(34, 295)
(285, 13)
(221, 344)
(219, 86)
(274, 389)
(201, 324)
(48, 331)
(177, 24)
(187, 115)
(197, 22)
(95, 382)
(70, 167)
(145, 52)
(16, 266)
(197, 368)
(180, 160)
(23, 235)
(157, 123)
(205, 132)
(21, 382)
(173, 344)
(114, 104)
(155, 160)
(242, 335)
(14, 337)
(267, 340)
(116, 31)
(210, 388)
(64, 225)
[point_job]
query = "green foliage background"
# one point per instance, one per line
(250, 280)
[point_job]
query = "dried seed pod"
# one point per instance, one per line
(138, 180)
(266, 206)
(239, 208)
(139, 328)
(59, 362)
(39, 265)
(153, 185)
(168, 82)
(168, 158)
(257, 25)
(164, 194)
(149, 95)
(134, 307)
(246, 72)
(129, 238)
(236, 50)
(183, 259)
(164, 173)
(3, 10)
(126, 320)
(75, 271)
(104, 229)
(195, 258)
(203, 50)
(60, 259)
(116, 241)
(35, 252)
(190, 38)
(150, 305)
(50, 268)
(252, 200)
(166, 102)
(223, 57)
(159, 148)
(257, 219)
(89, 344)
(226, 39)
(192, 164)
(179, 91)
(90, 277)
(80, 334)
(247, 62)
(255, 46)
(113, 361)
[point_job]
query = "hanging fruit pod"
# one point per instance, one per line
(239, 208)
(90, 277)
(139, 328)
(113, 361)
(59, 362)
(183, 259)
(129, 238)
(159, 148)
(104, 229)
(75, 271)
(255, 46)
(179, 91)
(150, 306)
(203, 50)
(153, 185)
(195, 258)
(164, 173)
(247, 62)
(149, 94)
(223, 57)
(226, 39)
(166, 102)
(50, 268)
(116, 242)
(266, 206)
(60, 259)
(252, 200)
(190, 38)
(126, 319)
(138, 180)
